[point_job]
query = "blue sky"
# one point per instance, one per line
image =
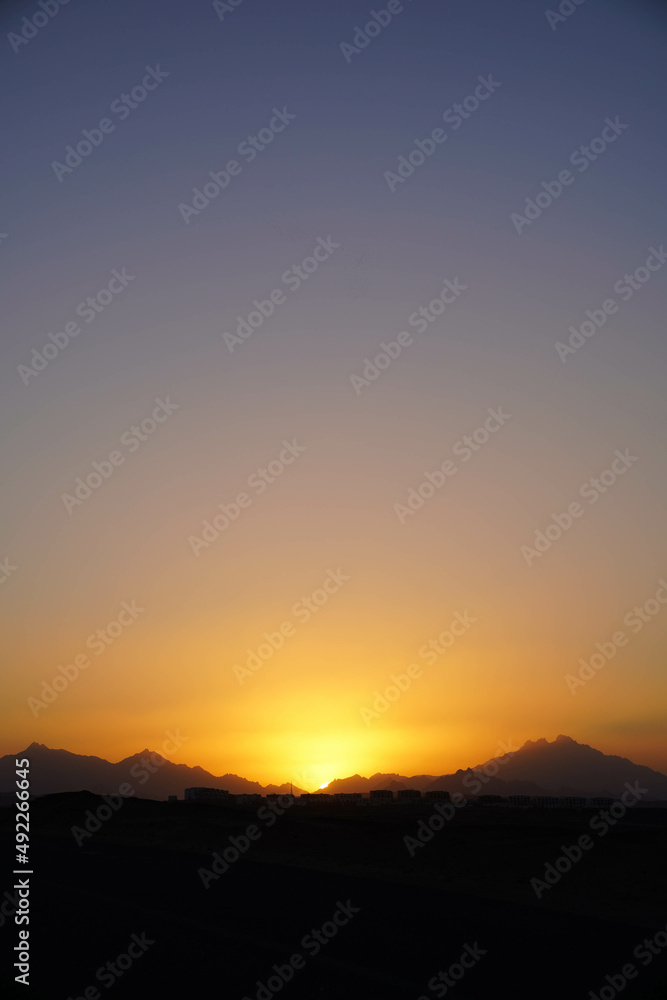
(323, 177)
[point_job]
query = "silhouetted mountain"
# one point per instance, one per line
(563, 767)
(566, 767)
(149, 773)
(358, 784)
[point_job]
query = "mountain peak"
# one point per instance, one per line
(558, 767)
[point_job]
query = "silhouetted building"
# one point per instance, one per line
(408, 795)
(600, 802)
(546, 800)
(245, 798)
(280, 798)
(519, 800)
(438, 794)
(572, 802)
(206, 795)
(348, 798)
(490, 800)
(379, 795)
(172, 798)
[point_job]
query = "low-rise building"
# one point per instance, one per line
(437, 795)
(206, 794)
(548, 801)
(379, 795)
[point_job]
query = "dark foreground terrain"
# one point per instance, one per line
(388, 922)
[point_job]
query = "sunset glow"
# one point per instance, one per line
(276, 544)
(333, 570)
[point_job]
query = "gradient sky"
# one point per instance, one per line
(299, 715)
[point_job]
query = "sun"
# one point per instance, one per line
(325, 784)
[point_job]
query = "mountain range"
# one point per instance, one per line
(151, 775)
(562, 767)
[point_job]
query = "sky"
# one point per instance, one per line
(497, 479)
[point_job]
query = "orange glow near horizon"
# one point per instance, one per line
(290, 721)
(206, 655)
